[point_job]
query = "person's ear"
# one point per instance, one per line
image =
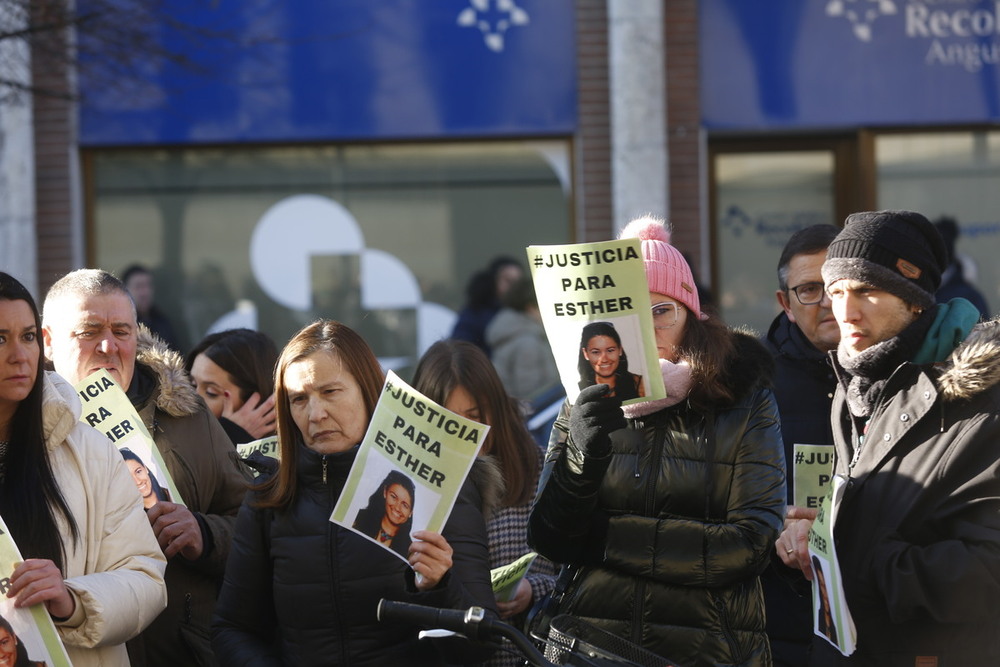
(785, 303)
(47, 342)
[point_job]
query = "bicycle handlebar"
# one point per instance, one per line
(473, 622)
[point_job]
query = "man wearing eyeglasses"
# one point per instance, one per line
(804, 384)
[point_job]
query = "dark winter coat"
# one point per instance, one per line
(211, 481)
(918, 530)
(804, 386)
(301, 590)
(671, 530)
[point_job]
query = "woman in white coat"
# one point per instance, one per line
(69, 503)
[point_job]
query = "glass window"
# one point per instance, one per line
(382, 237)
(954, 174)
(761, 200)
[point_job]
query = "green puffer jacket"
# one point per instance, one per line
(211, 481)
(671, 530)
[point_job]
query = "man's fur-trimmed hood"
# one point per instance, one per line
(176, 395)
(974, 366)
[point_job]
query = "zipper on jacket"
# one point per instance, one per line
(727, 631)
(324, 468)
(659, 433)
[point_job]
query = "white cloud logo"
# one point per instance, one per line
(302, 227)
(861, 14)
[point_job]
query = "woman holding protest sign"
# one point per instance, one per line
(302, 590)
(668, 509)
(69, 503)
(459, 376)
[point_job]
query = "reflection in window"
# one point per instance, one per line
(436, 212)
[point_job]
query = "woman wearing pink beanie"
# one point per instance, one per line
(667, 511)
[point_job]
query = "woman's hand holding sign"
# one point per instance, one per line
(430, 558)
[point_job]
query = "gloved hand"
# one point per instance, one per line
(594, 416)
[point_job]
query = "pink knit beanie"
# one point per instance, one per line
(666, 270)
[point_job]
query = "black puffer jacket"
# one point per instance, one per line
(804, 385)
(673, 528)
(300, 590)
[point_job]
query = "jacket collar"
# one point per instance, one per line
(160, 377)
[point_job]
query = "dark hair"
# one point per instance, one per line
(369, 519)
(521, 295)
(29, 494)
(328, 336)
(587, 376)
(806, 241)
(21, 656)
(134, 269)
(248, 356)
(481, 291)
(449, 364)
(709, 347)
(158, 491)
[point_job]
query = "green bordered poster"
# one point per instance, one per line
(812, 470)
(409, 469)
(831, 617)
(32, 626)
(588, 283)
(107, 408)
(267, 446)
(506, 578)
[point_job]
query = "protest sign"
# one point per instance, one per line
(267, 446)
(409, 468)
(583, 284)
(811, 473)
(831, 618)
(506, 578)
(107, 408)
(32, 626)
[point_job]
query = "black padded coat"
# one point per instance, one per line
(300, 590)
(671, 530)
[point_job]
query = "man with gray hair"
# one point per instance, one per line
(917, 441)
(88, 324)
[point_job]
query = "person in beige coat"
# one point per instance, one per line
(89, 324)
(69, 503)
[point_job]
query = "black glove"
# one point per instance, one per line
(593, 417)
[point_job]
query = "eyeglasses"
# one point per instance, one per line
(808, 294)
(664, 314)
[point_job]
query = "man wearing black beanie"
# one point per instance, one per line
(917, 441)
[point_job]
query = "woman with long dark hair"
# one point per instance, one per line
(69, 503)
(388, 516)
(233, 372)
(667, 510)
(459, 376)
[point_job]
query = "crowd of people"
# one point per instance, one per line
(681, 524)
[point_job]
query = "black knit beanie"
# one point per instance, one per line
(897, 251)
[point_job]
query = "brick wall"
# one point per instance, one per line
(592, 145)
(55, 155)
(683, 123)
(592, 159)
